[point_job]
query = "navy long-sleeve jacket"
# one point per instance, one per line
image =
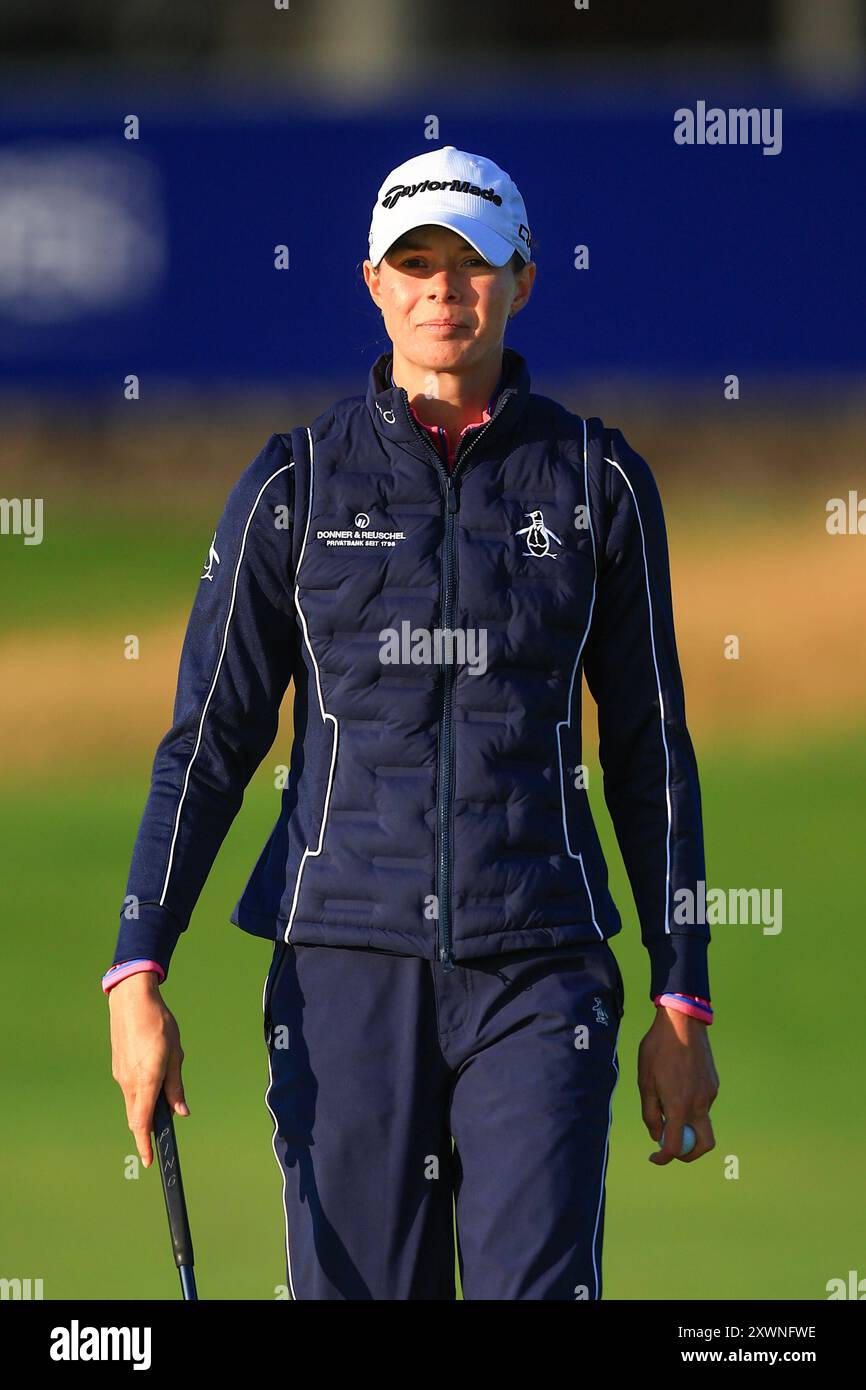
(436, 626)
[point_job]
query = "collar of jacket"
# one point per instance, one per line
(388, 404)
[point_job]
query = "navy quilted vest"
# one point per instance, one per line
(434, 805)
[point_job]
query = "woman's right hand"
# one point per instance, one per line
(146, 1054)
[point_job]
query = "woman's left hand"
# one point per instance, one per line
(678, 1083)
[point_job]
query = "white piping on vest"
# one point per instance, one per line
(284, 469)
(311, 853)
(567, 722)
(615, 465)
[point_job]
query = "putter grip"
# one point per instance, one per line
(172, 1182)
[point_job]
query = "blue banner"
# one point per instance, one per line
(714, 243)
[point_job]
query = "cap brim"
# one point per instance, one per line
(488, 243)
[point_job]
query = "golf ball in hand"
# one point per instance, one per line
(689, 1140)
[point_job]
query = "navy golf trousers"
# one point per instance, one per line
(378, 1060)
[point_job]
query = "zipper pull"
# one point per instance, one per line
(445, 957)
(453, 498)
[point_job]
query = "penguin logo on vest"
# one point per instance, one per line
(538, 536)
(212, 559)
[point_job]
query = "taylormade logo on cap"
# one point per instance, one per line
(402, 190)
(451, 188)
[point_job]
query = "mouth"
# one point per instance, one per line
(442, 323)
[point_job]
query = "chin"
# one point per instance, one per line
(446, 352)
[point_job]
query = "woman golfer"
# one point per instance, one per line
(435, 564)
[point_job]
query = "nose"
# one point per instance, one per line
(442, 284)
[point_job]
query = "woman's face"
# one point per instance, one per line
(445, 307)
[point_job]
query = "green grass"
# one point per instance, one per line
(97, 562)
(787, 1044)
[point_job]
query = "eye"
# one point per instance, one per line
(409, 262)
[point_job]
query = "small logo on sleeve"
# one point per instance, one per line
(212, 559)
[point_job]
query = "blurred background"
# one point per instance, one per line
(153, 157)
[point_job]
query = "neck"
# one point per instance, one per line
(450, 399)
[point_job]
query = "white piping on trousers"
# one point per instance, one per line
(567, 722)
(284, 469)
(604, 1163)
(325, 716)
(615, 465)
(274, 1139)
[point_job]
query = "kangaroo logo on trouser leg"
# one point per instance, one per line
(601, 1014)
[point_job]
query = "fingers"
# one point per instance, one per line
(140, 1102)
(673, 1142)
(651, 1110)
(704, 1138)
(173, 1084)
(141, 1097)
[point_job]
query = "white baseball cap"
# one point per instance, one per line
(451, 188)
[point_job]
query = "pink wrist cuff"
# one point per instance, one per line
(686, 1004)
(125, 968)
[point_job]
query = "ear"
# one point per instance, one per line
(371, 279)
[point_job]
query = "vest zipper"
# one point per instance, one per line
(445, 768)
(445, 789)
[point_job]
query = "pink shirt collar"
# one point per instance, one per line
(439, 435)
